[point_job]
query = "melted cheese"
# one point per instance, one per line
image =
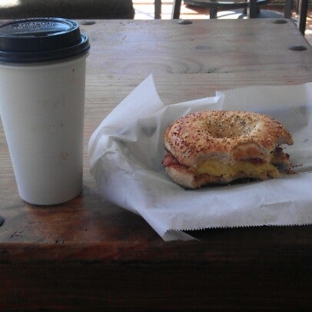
(216, 168)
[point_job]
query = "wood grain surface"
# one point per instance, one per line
(89, 255)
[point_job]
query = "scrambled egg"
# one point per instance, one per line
(216, 168)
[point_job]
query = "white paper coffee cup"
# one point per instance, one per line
(42, 110)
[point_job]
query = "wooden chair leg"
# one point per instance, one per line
(213, 11)
(157, 13)
(302, 18)
(176, 9)
(288, 8)
(252, 10)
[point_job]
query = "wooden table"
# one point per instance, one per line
(90, 255)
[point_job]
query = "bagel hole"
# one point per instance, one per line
(234, 129)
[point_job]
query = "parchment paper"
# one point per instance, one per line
(126, 151)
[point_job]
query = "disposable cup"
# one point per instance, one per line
(42, 106)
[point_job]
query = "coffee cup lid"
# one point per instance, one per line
(36, 40)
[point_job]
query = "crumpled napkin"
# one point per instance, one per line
(126, 150)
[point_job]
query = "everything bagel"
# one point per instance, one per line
(211, 147)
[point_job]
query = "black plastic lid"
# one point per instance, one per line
(36, 40)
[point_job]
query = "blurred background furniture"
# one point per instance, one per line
(76, 9)
(157, 9)
(251, 7)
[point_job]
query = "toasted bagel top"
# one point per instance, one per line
(224, 135)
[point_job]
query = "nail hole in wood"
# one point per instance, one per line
(87, 23)
(280, 21)
(297, 47)
(184, 22)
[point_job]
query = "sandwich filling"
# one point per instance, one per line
(221, 172)
(254, 168)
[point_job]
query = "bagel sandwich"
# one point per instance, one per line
(221, 146)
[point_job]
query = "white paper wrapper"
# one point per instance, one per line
(126, 151)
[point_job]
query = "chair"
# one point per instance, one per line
(252, 7)
(76, 9)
